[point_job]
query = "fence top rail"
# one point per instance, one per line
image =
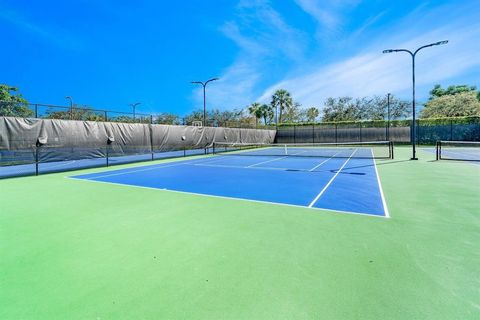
(291, 124)
(77, 108)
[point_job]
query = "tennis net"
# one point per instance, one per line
(458, 150)
(366, 150)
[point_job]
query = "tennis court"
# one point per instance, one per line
(230, 235)
(339, 177)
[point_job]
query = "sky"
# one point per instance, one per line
(108, 54)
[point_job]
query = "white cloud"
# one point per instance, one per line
(266, 42)
(262, 36)
(370, 72)
(329, 14)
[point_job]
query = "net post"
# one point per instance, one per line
(36, 110)
(294, 134)
(36, 160)
(150, 127)
(106, 154)
(437, 150)
(391, 150)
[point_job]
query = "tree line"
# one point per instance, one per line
(453, 101)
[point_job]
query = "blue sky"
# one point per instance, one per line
(108, 54)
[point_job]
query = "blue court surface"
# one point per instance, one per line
(348, 185)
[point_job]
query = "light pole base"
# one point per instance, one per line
(413, 158)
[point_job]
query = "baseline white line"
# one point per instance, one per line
(384, 202)
(228, 198)
(331, 180)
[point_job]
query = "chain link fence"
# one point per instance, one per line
(85, 113)
(429, 131)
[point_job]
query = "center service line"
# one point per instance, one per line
(331, 180)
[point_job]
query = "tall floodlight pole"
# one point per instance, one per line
(388, 116)
(69, 98)
(413, 55)
(134, 106)
(204, 85)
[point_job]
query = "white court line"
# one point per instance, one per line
(385, 209)
(237, 167)
(228, 198)
(148, 167)
(331, 180)
(131, 171)
(318, 165)
(276, 159)
(271, 160)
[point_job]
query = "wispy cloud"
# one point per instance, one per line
(329, 14)
(369, 72)
(357, 67)
(372, 73)
(263, 37)
(53, 36)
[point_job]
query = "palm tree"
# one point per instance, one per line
(265, 112)
(281, 100)
(312, 114)
(254, 110)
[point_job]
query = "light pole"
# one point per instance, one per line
(134, 105)
(204, 85)
(71, 106)
(388, 116)
(413, 55)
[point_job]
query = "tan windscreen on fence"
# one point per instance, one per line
(27, 141)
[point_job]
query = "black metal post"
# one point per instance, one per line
(150, 128)
(106, 153)
(414, 131)
(36, 159)
(204, 85)
(106, 116)
(204, 105)
(413, 55)
(36, 110)
(388, 117)
(71, 106)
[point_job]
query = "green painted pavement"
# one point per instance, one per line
(72, 249)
